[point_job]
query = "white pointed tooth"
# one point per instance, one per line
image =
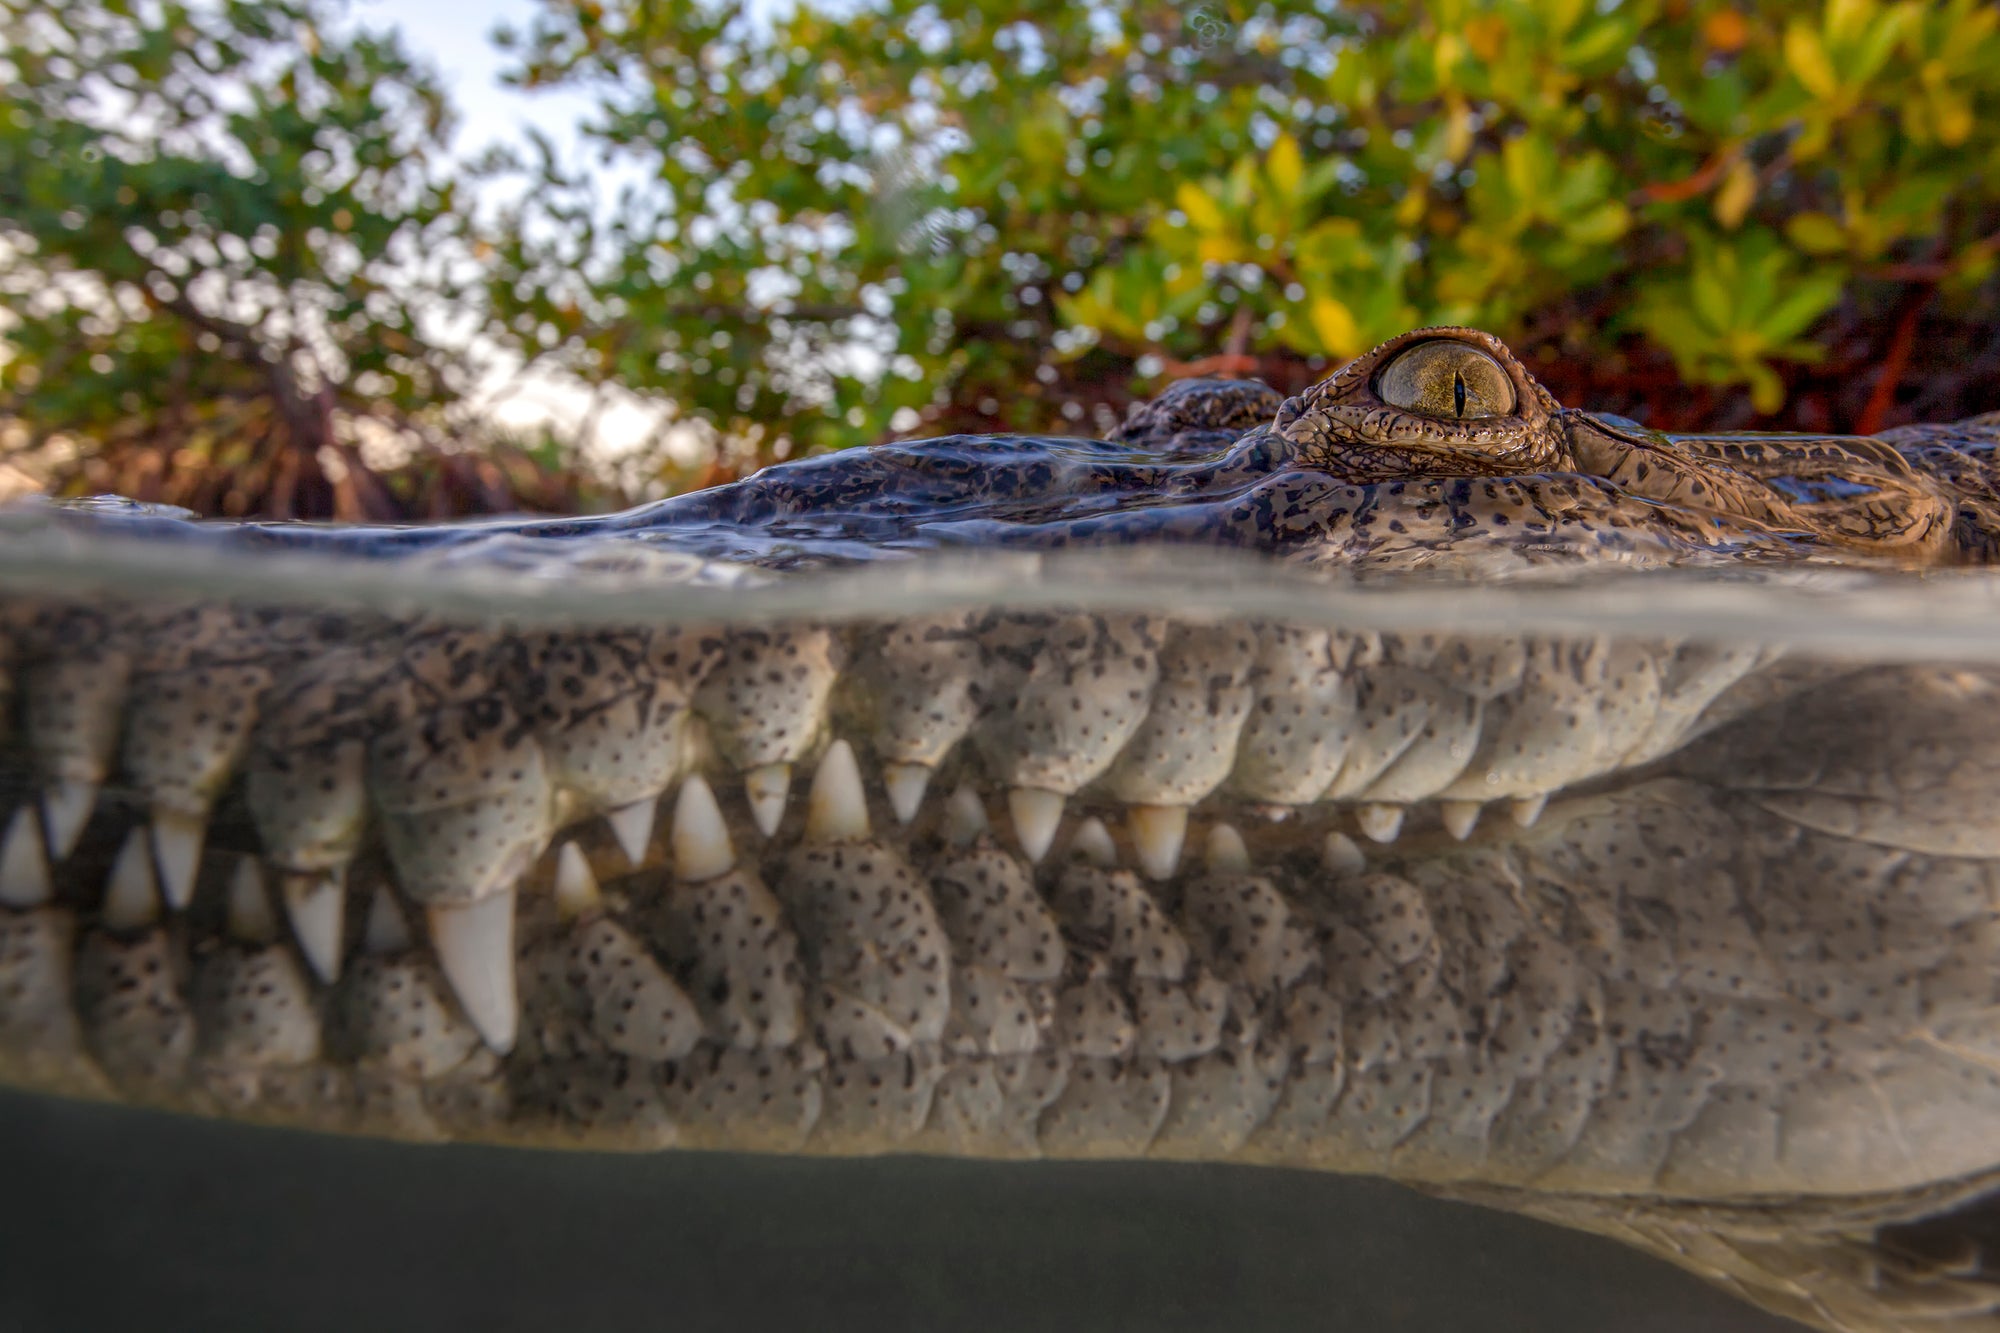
(702, 849)
(1225, 853)
(1343, 856)
(475, 951)
(1528, 809)
(24, 866)
(836, 806)
(964, 817)
(177, 840)
(66, 809)
(386, 931)
(906, 785)
(1459, 817)
(132, 898)
(1381, 822)
(316, 905)
(1093, 843)
(1036, 811)
(576, 884)
(1157, 834)
(767, 788)
(632, 825)
(250, 917)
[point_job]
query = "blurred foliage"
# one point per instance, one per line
(239, 269)
(1026, 214)
(225, 264)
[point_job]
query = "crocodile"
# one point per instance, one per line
(1688, 942)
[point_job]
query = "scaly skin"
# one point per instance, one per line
(1694, 945)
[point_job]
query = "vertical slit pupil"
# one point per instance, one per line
(1458, 390)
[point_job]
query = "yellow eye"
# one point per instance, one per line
(1446, 379)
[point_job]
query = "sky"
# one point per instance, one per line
(454, 36)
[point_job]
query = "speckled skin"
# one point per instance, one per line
(1696, 945)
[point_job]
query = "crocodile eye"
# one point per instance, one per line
(1446, 379)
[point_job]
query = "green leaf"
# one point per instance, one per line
(1807, 298)
(1714, 301)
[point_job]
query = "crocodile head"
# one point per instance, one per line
(1692, 942)
(1437, 449)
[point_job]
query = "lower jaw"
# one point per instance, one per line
(1591, 1006)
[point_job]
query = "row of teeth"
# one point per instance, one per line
(1157, 831)
(473, 943)
(1377, 744)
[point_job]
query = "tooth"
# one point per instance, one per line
(906, 784)
(1157, 833)
(1528, 809)
(24, 868)
(386, 931)
(700, 837)
(1036, 811)
(964, 817)
(1092, 841)
(1342, 856)
(475, 950)
(1379, 821)
(177, 840)
(1459, 817)
(249, 916)
(132, 900)
(576, 886)
(315, 904)
(1226, 854)
(66, 809)
(767, 788)
(632, 825)
(836, 806)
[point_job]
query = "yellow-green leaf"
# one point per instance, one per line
(1767, 391)
(1817, 234)
(1446, 53)
(1714, 303)
(1285, 165)
(1806, 54)
(1846, 18)
(1600, 225)
(1457, 128)
(1203, 213)
(1738, 192)
(1410, 208)
(1333, 323)
(1215, 249)
(1952, 117)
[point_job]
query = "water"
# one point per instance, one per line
(1875, 613)
(1658, 903)
(218, 1225)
